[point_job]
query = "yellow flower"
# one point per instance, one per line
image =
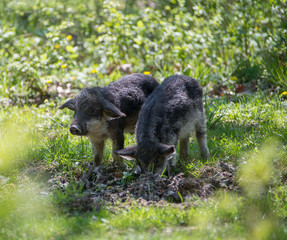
(283, 94)
(46, 101)
(256, 28)
(49, 81)
(147, 72)
(73, 77)
(233, 78)
(69, 37)
(94, 71)
(57, 46)
(64, 66)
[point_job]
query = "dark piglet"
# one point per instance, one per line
(169, 115)
(108, 112)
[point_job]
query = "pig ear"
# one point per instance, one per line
(69, 104)
(128, 153)
(167, 150)
(111, 111)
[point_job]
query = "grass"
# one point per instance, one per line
(239, 130)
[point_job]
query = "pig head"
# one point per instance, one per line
(91, 110)
(93, 116)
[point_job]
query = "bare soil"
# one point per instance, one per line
(110, 185)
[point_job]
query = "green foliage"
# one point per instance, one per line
(46, 44)
(127, 177)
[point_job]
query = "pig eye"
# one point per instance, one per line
(92, 113)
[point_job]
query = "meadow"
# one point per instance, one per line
(50, 50)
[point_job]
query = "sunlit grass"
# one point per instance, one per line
(239, 131)
(244, 124)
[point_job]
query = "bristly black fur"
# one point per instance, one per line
(169, 115)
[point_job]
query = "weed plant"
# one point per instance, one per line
(50, 44)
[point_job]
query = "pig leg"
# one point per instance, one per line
(183, 148)
(201, 139)
(118, 143)
(98, 150)
(173, 160)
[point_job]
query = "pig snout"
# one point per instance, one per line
(138, 170)
(75, 129)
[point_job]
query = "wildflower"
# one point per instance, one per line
(46, 100)
(73, 77)
(49, 81)
(64, 66)
(94, 71)
(69, 37)
(57, 46)
(146, 72)
(233, 78)
(284, 94)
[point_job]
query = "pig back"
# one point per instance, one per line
(130, 92)
(170, 107)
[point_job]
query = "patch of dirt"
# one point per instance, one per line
(109, 184)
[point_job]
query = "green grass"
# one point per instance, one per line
(239, 130)
(243, 124)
